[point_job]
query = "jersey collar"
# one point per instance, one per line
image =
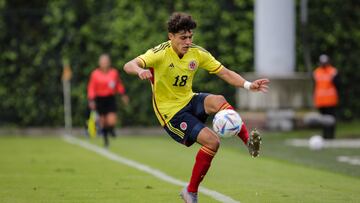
(174, 53)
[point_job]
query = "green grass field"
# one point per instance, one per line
(48, 169)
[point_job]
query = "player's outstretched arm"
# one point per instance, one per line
(236, 80)
(134, 67)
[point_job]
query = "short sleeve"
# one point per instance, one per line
(149, 58)
(208, 62)
(91, 87)
(120, 88)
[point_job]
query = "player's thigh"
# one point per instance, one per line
(111, 118)
(102, 120)
(209, 139)
(213, 103)
(184, 128)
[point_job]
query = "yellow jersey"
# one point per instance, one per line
(173, 76)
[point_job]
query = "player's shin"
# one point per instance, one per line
(105, 136)
(201, 166)
(111, 131)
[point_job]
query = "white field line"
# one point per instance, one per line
(352, 160)
(147, 169)
(337, 143)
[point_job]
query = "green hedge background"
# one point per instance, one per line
(37, 37)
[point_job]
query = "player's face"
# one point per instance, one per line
(181, 41)
(104, 62)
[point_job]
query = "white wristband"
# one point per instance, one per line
(247, 85)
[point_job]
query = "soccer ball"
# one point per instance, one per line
(227, 123)
(316, 142)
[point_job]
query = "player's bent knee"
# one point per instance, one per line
(111, 119)
(110, 124)
(209, 139)
(221, 98)
(213, 103)
(213, 143)
(218, 99)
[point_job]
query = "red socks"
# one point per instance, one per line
(225, 106)
(243, 134)
(202, 165)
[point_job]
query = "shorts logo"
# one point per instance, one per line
(192, 65)
(183, 125)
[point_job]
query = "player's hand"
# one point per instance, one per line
(145, 74)
(125, 99)
(92, 105)
(260, 85)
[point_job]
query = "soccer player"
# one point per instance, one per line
(171, 67)
(104, 83)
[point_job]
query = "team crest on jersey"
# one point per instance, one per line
(183, 125)
(192, 65)
(112, 84)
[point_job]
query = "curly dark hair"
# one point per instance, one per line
(180, 21)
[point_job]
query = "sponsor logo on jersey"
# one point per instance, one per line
(171, 66)
(183, 125)
(192, 65)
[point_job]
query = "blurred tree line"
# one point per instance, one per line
(37, 37)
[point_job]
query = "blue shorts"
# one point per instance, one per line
(186, 125)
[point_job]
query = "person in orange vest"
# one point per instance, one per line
(326, 98)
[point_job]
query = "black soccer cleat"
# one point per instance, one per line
(254, 143)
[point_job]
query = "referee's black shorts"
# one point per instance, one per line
(105, 105)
